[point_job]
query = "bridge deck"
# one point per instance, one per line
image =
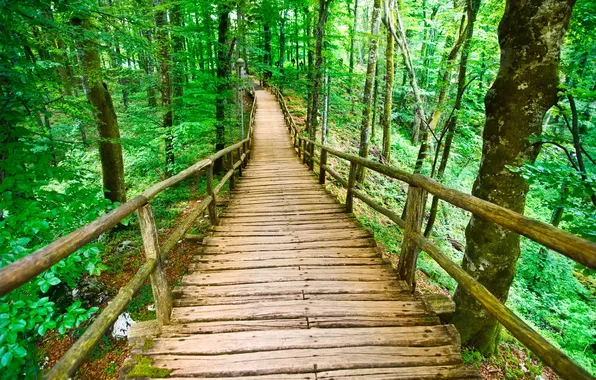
(289, 287)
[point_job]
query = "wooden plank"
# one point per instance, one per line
(180, 330)
(409, 373)
(297, 309)
(324, 252)
(372, 321)
(273, 230)
(215, 265)
(224, 241)
(194, 299)
(353, 243)
(278, 376)
(254, 341)
(305, 361)
(293, 287)
(264, 275)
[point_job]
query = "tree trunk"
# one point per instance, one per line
(223, 73)
(472, 10)
(318, 73)
(435, 117)
(110, 149)
(282, 49)
(388, 103)
(268, 54)
(368, 87)
(352, 40)
(530, 36)
(178, 71)
(373, 123)
(165, 83)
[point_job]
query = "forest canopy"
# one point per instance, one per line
(101, 99)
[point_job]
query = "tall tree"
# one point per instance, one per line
(388, 103)
(472, 7)
(352, 48)
(165, 82)
(223, 74)
(367, 98)
(318, 72)
(530, 36)
(110, 148)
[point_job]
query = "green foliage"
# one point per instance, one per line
(144, 368)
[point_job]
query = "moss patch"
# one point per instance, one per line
(143, 367)
(149, 343)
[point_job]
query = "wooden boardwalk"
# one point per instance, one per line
(290, 287)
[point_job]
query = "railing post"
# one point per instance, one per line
(213, 205)
(303, 142)
(295, 138)
(159, 283)
(240, 149)
(322, 163)
(231, 167)
(350, 189)
(409, 250)
(311, 162)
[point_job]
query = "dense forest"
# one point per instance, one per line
(101, 99)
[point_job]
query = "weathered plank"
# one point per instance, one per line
(297, 309)
(254, 341)
(306, 361)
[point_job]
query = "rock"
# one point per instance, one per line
(539, 377)
(125, 246)
(122, 326)
(91, 292)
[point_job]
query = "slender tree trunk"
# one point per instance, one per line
(577, 145)
(297, 44)
(318, 73)
(530, 35)
(223, 74)
(352, 41)
(327, 89)
(268, 54)
(178, 64)
(388, 103)
(165, 83)
(110, 149)
(435, 117)
(282, 49)
(373, 123)
(367, 98)
(472, 10)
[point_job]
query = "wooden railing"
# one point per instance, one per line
(27, 268)
(578, 249)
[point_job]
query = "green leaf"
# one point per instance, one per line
(20, 352)
(6, 359)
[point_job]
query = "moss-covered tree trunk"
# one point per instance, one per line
(367, 98)
(352, 47)
(165, 82)
(223, 73)
(110, 148)
(530, 36)
(388, 103)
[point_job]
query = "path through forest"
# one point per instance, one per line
(289, 286)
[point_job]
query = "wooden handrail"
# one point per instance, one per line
(574, 247)
(23, 270)
(70, 362)
(569, 245)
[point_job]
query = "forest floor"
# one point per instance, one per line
(106, 359)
